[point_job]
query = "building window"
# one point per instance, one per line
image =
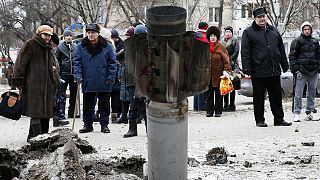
(250, 10)
(210, 14)
(216, 14)
(243, 11)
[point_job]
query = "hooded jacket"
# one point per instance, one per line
(262, 52)
(305, 53)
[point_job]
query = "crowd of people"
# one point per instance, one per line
(46, 67)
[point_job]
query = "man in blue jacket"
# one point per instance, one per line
(94, 67)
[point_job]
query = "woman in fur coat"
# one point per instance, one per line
(220, 64)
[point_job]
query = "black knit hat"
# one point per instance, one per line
(229, 28)
(203, 25)
(213, 30)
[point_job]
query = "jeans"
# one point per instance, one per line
(311, 82)
(69, 80)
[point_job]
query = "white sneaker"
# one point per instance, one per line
(312, 117)
(309, 117)
(296, 118)
(315, 117)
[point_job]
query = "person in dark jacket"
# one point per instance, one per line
(199, 100)
(305, 64)
(64, 55)
(34, 75)
(137, 104)
(232, 45)
(116, 106)
(263, 56)
(94, 66)
(125, 97)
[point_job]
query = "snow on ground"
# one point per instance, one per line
(274, 152)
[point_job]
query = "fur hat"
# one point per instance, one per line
(203, 25)
(93, 27)
(104, 32)
(44, 29)
(114, 33)
(228, 28)
(260, 11)
(213, 30)
(130, 31)
(67, 33)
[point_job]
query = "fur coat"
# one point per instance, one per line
(35, 72)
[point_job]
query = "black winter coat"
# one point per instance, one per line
(305, 55)
(262, 52)
(63, 53)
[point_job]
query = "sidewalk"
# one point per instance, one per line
(275, 152)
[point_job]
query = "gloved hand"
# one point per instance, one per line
(108, 81)
(62, 81)
(225, 74)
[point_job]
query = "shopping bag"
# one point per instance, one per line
(225, 86)
(11, 105)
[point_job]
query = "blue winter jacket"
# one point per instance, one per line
(95, 66)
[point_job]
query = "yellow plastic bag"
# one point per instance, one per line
(225, 86)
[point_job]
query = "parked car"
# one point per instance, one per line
(286, 85)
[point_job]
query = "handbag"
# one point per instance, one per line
(225, 86)
(11, 105)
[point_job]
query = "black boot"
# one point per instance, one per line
(59, 122)
(124, 116)
(86, 129)
(34, 129)
(132, 129)
(114, 117)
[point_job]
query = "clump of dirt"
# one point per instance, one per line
(216, 156)
(115, 165)
(58, 155)
(10, 163)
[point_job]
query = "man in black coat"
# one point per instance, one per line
(262, 54)
(305, 64)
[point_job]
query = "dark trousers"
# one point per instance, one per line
(115, 102)
(273, 87)
(89, 102)
(69, 80)
(232, 96)
(199, 102)
(137, 107)
(214, 101)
